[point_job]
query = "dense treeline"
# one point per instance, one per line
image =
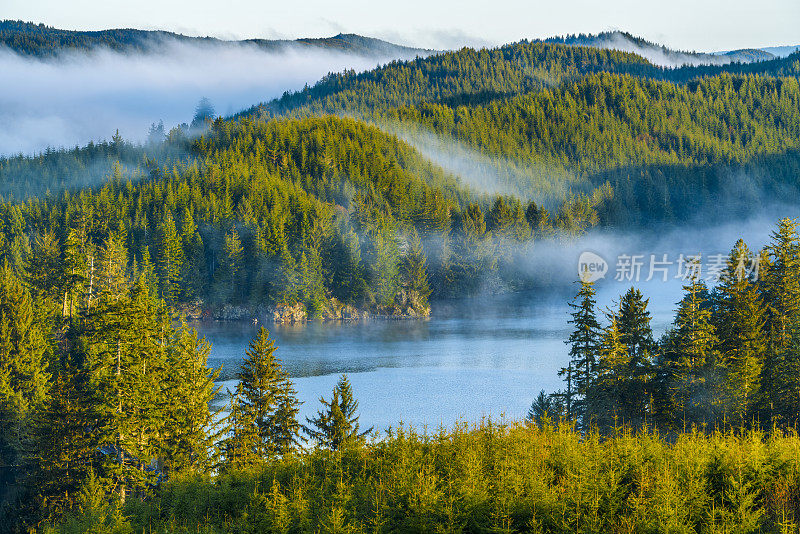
(126, 461)
(623, 40)
(42, 40)
(469, 76)
(104, 397)
(666, 149)
(320, 212)
(730, 358)
(463, 76)
(56, 170)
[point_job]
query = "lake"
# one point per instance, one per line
(474, 358)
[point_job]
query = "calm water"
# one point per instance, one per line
(479, 357)
(472, 359)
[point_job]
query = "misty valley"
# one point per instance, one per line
(344, 285)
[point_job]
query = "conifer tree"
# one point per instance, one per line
(633, 322)
(544, 407)
(779, 280)
(738, 320)
(190, 428)
(42, 272)
(692, 358)
(608, 403)
(127, 341)
(584, 348)
(387, 261)
(24, 376)
(415, 273)
(194, 272)
(264, 409)
(169, 258)
(336, 424)
(233, 256)
(73, 273)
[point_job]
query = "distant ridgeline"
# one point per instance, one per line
(287, 205)
(40, 40)
(626, 41)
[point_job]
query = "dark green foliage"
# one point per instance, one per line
(730, 358)
(263, 411)
(584, 350)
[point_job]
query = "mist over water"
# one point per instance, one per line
(483, 356)
(79, 97)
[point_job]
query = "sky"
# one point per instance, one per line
(702, 25)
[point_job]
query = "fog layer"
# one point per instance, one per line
(81, 97)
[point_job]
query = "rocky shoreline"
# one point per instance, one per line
(296, 313)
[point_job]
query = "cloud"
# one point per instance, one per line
(83, 96)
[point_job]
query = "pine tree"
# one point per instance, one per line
(416, 275)
(233, 256)
(24, 376)
(584, 348)
(127, 343)
(780, 286)
(73, 273)
(633, 322)
(194, 270)
(43, 270)
(264, 408)
(336, 425)
(387, 262)
(780, 282)
(692, 357)
(190, 428)
(608, 402)
(544, 407)
(169, 258)
(738, 319)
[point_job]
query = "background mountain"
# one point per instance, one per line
(41, 40)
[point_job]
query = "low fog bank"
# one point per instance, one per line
(79, 97)
(488, 175)
(554, 262)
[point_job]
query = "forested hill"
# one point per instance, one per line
(469, 76)
(321, 212)
(463, 76)
(40, 40)
(667, 149)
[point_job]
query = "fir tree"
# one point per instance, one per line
(691, 357)
(779, 281)
(24, 376)
(608, 402)
(169, 258)
(190, 428)
(738, 320)
(264, 409)
(415, 274)
(633, 322)
(336, 425)
(584, 348)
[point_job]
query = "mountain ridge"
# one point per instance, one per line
(28, 38)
